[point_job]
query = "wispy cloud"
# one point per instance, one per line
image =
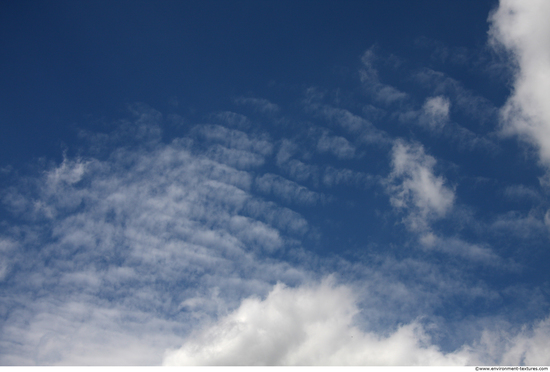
(415, 188)
(260, 104)
(381, 92)
(111, 235)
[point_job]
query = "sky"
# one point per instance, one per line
(275, 182)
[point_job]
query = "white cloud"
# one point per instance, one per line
(234, 139)
(369, 77)
(527, 346)
(286, 151)
(521, 193)
(308, 325)
(521, 27)
(75, 331)
(296, 169)
(460, 248)
(435, 112)
(413, 186)
(107, 249)
(317, 324)
(527, 227)
(236, 158)
(425, 198)
(8, 249)
(476, 107)
(434, 115)
(286, 190)
(333, 176)
(530, 347)
(337, 145)
(261, 104)
(231, 119)
(362, 130)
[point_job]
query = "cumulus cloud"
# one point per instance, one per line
(529, 346)
(316, 324)
(308, 325)
(521, 27)
(524, 347)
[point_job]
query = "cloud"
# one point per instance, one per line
(528, 227)
(8, 249)
(318, 324)
(235, 158)
(433, 116)
(414, 188)
(260, 104)
(235, 139)
(231, 119)
(476, 107)
(141, 245)
(443, 53)
(286, 190)
(529, 347)
(294, 168)
(521, 29)
(361, 129)
(76, 331)
(521, 193)
(333, 176)
(381, 92)
(435, 112)
(337, 145)
(308, 325)
(524, 347)
(106, 250)
(457, 247)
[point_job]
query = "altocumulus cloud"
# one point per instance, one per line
(115, 235)
(124, 257)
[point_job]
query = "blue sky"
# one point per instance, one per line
(274, 183)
